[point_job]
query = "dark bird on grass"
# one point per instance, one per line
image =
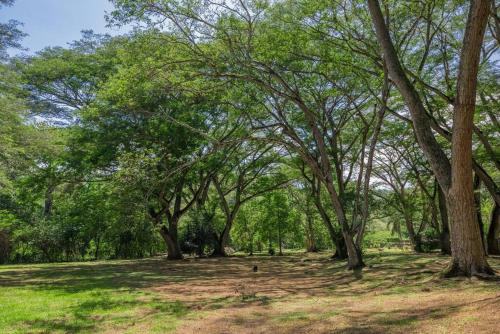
(255, 268)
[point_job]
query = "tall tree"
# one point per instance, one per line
(455, 178)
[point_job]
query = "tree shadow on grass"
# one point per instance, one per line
(401, 318)
(59, 325)
(91, 315)
(405, 319)
(211, 284)
(276, 274)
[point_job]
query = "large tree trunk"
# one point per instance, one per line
(5, 246)
(171, 239)
(340, 248)
(336, 238)
(421, 124)
(339, 242)
(222, 241)
(219, 250)
(97, 246)
(445, 230)
(354, 256)
(493, 237)
(468, 257)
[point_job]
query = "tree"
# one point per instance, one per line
(455, 178)
(250, 171)
(305, 105)
(10, 33)
(493, 236)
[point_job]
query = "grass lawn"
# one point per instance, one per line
(396, 293)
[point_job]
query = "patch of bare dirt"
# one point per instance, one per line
(289, 295)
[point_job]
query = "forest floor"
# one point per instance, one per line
(302, 293)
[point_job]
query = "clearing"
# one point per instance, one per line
(299, 293)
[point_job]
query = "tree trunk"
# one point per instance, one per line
(220, 245)
(280, 244)
(354, 256)
(222, 241)
(219, 249)
(421, 124)
(445, 230)
(414, 239)
(467, 251)
(47, 207)
(477, 205)
(270, 250)
(468, 257)
(340, 248)
(418, 244)
(279, 235)
(494, 231)
(336, 238)
(371, 153)
(324, 173)
(311, 244)
(170, 236)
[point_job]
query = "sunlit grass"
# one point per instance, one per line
(290, 292)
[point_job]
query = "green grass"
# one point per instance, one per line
(158, 296)
(76, 299)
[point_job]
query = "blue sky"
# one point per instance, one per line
(57, 22)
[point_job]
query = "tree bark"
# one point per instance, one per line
(354, 256)
(311, 243)
(414, 239)
(170, 237)
(477, 206)
(468, 257)
(222, 240)
(369, 163)
(493, 237)
(324, 173)
(340, 248)
(336, 238)
(445, 230)
(230, 214)
(421, 123)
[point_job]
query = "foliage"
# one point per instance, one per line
(251, 125)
